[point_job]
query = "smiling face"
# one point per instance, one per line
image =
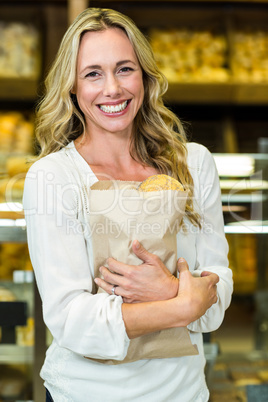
(109, 85)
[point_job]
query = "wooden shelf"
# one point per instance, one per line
(222, 93)
(179, 1)
(18, 89)
(11, 215)
(16, 354)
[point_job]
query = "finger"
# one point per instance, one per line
(205, 273)
(109, 276)
(104, 285)
(214, 277)
(108, 287)
(182, 265)
(129, 300)
(141, 252)
(118, 267)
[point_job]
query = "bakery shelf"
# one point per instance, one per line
(16, 354)
(249, 227)
(244, 198)
(183, 1)
(18, 89)
(13, 233)
(223, 93)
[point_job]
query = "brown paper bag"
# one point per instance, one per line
(119, 213)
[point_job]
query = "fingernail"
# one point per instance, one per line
(181, 260)
(137, 244)
(96, 281)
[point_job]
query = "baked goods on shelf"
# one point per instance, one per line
(16, 145)
(16, 133)
(11, 191)
(19, 50)
(249, 61)
(243, 261)
(190, 55)
(6, 295)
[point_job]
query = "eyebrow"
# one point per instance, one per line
(97, 66)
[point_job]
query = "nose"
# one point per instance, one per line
(112, 86)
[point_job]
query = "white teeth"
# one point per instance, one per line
(113, 109)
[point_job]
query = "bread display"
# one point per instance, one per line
(6, 295)
(16, 133)
(19, 50)
(11, 186)
(17, 165)
(16, 152)
(243, 261)
(190, 55)
(249, 61)
(160, 182)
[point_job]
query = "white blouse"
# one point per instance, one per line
(82, 324)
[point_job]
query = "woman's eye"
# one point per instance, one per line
(126, 69)
(92, 74)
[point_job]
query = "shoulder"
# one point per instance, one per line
(196, 150)
(50, 177)
(201, 165)
(199, 157)
(54, 161)
(51, 167)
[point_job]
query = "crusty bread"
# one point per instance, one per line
(160, 182)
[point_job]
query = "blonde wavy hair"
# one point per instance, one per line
(158, 140)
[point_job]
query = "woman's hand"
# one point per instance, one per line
(149, 281)
(194, 297)
(197, 295)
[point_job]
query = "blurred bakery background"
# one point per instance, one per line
(215, 56)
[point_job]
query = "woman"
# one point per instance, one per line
(103, 117)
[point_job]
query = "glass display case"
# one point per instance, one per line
(16, 313)
(244, 184)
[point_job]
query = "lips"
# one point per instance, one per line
(114, 108)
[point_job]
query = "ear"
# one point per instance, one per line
(73, 90)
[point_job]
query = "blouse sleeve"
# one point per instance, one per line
(87, 324)
(211, 243)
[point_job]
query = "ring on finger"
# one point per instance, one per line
(113, 290)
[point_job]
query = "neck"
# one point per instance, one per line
(109, 149)
(109, 158)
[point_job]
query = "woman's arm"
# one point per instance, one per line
(87, 324)
(195, 297)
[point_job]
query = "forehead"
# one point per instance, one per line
(109, 44)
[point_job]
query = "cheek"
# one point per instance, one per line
(138, 88)
(85, 96)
